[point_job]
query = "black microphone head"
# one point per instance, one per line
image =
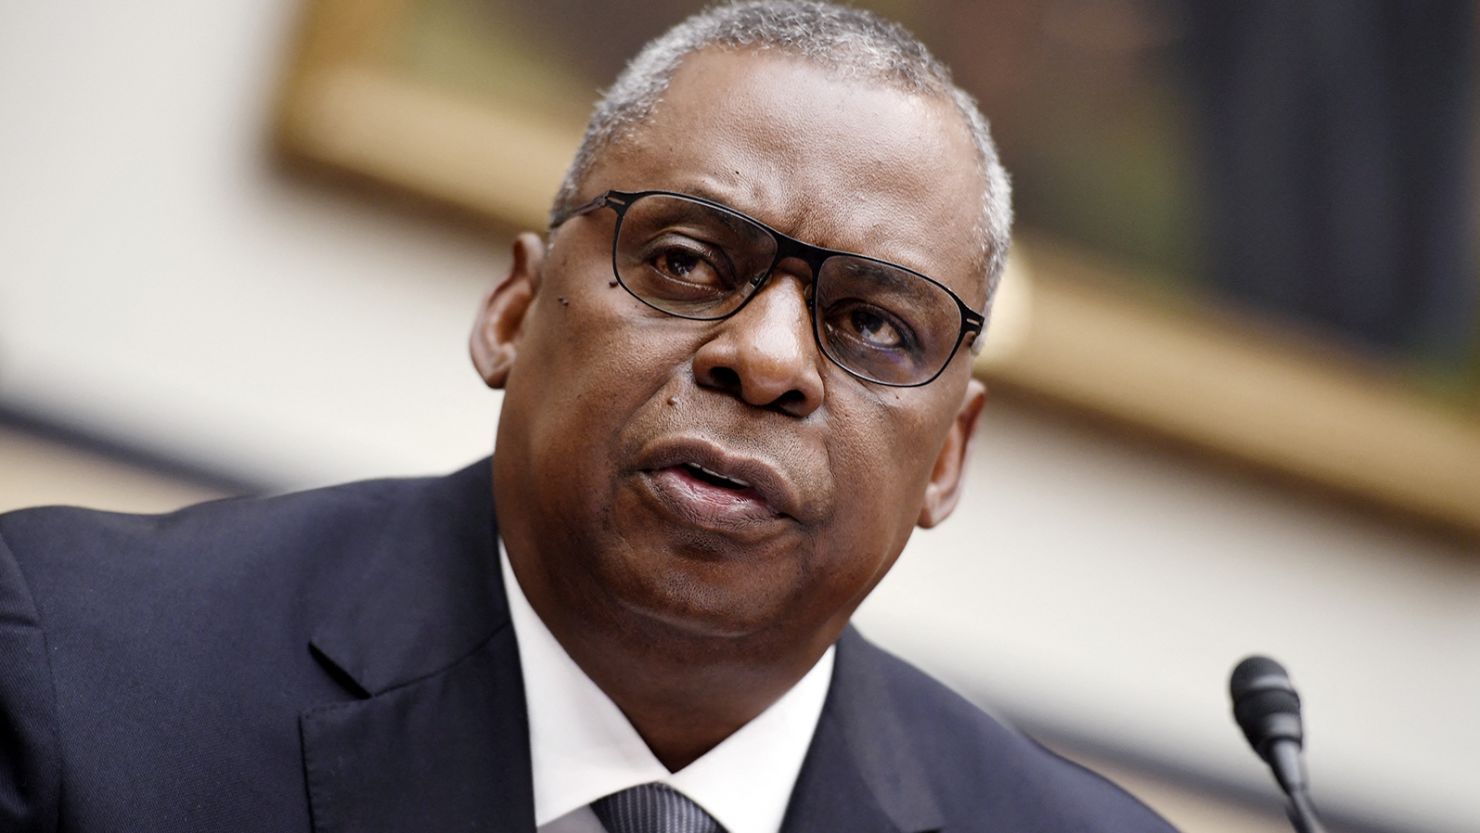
(1265, 704)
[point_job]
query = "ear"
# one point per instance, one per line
(944, 488)
(494, 343)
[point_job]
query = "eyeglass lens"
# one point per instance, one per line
(697, 261)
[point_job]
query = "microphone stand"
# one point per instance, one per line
(1302, 813)
(1267, 709)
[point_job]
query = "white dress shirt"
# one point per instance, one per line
(583, 748)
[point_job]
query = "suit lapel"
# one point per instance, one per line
(860, 773)
(831, 793)
(447, 752)
(437, 737)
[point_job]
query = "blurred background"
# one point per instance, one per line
(1235, 368)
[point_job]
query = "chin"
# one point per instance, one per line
(696, 599)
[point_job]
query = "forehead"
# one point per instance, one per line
(849, 164)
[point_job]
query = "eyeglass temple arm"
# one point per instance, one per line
(976, 328)
(599, 202)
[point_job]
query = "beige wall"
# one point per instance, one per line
(35, 471)
(162, 286)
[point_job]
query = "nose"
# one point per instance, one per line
(765, 354)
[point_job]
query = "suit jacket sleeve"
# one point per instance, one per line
(30, 766)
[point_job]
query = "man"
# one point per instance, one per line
(736, 374)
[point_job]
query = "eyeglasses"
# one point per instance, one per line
(696, 259)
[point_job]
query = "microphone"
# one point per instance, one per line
(1267, 709)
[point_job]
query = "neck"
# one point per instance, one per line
(683, 701)
(683, 692)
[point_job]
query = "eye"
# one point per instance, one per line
(873, 328)
(690, 263)
(870, 327)
(677, 263)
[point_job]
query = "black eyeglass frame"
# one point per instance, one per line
(786, 246)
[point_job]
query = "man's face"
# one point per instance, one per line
(611, 406)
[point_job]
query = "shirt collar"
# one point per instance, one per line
(583, 748)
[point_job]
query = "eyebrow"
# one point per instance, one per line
(702, 190)
(737, 225)
(886, 273)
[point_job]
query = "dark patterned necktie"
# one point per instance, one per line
(653, 808)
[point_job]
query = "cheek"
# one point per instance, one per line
(597, 360)
(880, 466)
(882, 450)
(885, 447)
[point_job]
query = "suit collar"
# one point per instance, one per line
(429, 591)
(437, 738)
(449, 751)
(862, 773)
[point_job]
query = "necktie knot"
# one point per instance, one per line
(653, 808)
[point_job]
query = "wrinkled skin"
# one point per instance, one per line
(693, 617)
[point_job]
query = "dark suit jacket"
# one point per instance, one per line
(341, 660)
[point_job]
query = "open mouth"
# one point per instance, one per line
(703, 484)
(714, 478)
(702, 496)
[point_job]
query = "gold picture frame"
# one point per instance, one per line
(1069, 330)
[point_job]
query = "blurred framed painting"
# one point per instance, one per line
(1247, 229)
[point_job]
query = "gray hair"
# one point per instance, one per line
(852, 42)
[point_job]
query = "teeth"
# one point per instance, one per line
(712, 473)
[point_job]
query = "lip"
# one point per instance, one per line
(769, 494)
